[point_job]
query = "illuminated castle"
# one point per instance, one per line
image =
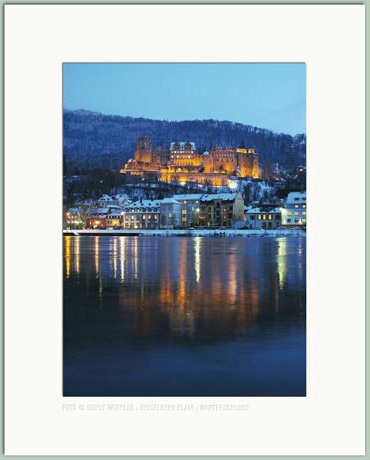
(182, 163)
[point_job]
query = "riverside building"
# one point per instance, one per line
(295, 212)
(221, 209)
(141, 214)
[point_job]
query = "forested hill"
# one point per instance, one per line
(93, 137)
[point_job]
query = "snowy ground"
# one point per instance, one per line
(192, 233)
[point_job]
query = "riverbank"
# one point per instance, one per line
(190, 233)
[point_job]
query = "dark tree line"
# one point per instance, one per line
(93, 140)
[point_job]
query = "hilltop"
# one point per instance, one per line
(93, 139)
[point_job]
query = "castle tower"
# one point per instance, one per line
(144, 149)
(248, 163)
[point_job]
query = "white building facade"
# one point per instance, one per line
(295, 212)
(141, 214)
(189, 208)
(260, 219)
(170, 213)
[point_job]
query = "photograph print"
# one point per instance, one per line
(184, 229)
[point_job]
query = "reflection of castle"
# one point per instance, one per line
(182, 163)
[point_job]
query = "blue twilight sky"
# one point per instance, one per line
(271, 96)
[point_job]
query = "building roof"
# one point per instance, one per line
(170, 201)
(144, 204)
(105, 198)
(296, 197)
(220, 196)
(263, 211)
(98, 211)
(122, 197)
(189, 197)
(182, 145)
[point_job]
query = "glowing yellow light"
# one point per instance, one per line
(115, 258)
(122, 257)
(135, 258)
(68, 255)
(77, 254)
(281, 260)
(96, 256)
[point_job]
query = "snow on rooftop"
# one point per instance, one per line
(296, 197)
(122, 197)
(105, 198)
(170, 201)
(74, 210)
(189, 197)
(144, 204)
(220, 196)
(98, 211)
(263, 211)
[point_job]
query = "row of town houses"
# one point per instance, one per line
(187, 211)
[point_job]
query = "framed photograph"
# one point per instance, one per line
(181, 272)
(185, 246)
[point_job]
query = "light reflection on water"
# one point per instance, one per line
(134, 297)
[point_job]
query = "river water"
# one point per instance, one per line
(182, 316)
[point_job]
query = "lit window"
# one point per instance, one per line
(197, 201)
(270, 217)
(303, 220)
(259, 216)
(289, 213)
(264, 217)
(303, 205)
(296, 206)
(296, 213)
(192, 208)
(304, 213)
(170, 214)
(184, 211)
(185, 202)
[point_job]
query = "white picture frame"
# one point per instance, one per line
(330, 39)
